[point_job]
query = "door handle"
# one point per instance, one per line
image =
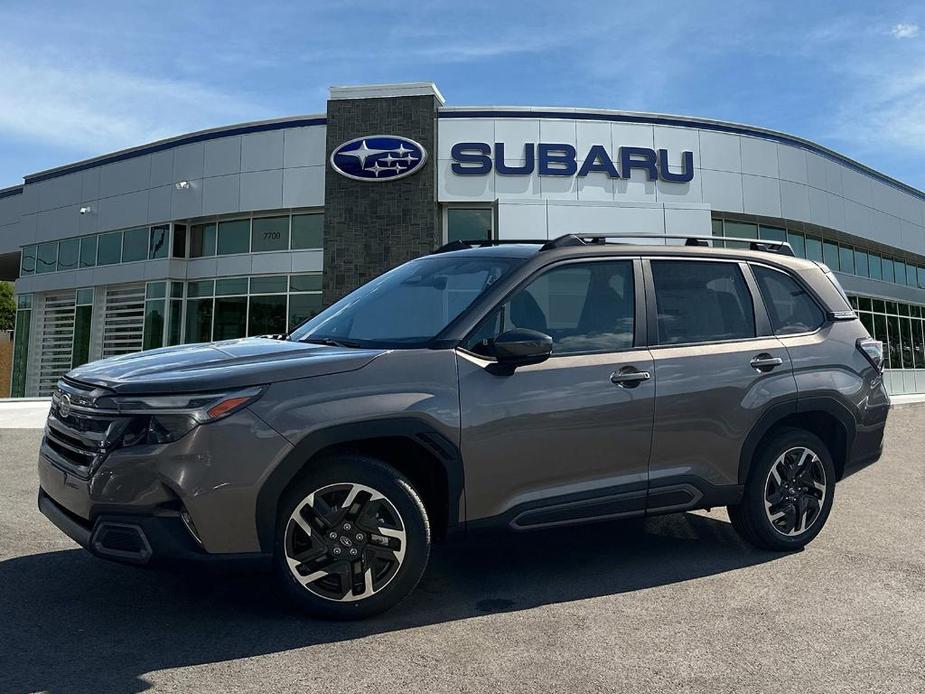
(629, 377)
(765, 362)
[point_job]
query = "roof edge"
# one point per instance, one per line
(176, 141)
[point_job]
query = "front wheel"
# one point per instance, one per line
(789, 492)
(352, 538)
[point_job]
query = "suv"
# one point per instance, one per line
(523, 385)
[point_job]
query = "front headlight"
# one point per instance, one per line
(167, 418)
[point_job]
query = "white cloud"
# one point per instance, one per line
(905, 31)
(91, 109)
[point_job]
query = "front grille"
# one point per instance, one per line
(75, 435)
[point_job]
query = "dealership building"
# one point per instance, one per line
(250, 228)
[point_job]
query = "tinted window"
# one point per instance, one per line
(134, 245)
(270, 234)
(307, 230)
(701, 302)
(790, 308)
(234, 237)
(587, 307)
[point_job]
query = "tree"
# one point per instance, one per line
(7, 306)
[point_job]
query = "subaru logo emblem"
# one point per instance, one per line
(378, 158)
(64, 405)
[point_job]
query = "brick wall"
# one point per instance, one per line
(372, 227)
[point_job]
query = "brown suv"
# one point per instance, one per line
(524, 385)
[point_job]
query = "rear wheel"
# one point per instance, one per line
(352, 538)
(789, 492)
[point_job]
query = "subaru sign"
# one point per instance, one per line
(378, 158)
(555, 159)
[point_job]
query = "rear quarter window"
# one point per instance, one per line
(791, 309)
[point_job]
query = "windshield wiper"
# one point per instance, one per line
(329, 341)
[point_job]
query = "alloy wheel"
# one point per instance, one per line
(795, 491)
(345, 542)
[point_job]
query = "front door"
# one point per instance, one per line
(567, 439)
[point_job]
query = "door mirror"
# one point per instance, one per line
(520, 347)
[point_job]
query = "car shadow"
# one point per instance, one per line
(71, 622)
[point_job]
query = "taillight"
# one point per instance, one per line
(873, 350)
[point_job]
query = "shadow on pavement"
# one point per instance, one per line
(71, 622)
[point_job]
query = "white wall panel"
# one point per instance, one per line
(761, 195)
(791, 163)
(56, 224)
(222, 157)
(221, 194)
(262, 190)
(188, 202)
(121, 211)
(720, 152)
(125, 176)
(188, 162)
(451, 187)
(453, 130)
(303, 186)
(516, 186)
(913, 237)
(158, 204)
(794, 201)
(514, 133)
(816, 175)
(576, 218)
(522, 219)
(60, 191)
(680, 220)
(305, 146)
(262, 151)
(162, 168)
(722, 190)
(677, 140)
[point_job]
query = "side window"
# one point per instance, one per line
(701, 301)
(584, 307)
(790, 308)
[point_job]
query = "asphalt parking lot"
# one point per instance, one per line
(678, 604)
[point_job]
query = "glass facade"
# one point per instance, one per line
(839, 256)
(899, 326)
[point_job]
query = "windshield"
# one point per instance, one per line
(407, 306)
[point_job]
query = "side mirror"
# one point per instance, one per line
(520, 347)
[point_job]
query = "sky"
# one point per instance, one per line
(79, 79)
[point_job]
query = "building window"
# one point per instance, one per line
(83, 316)
(797, 243)
(21, 330)
(887, 265)
(234, 237)
(814, 248)
(46, 258)
(159, 243)
(846, 259)
(861, 266)
(307, 230)
(68, 254)
(27, 261)
(109, 251)
(135, 245)
(830, 255)
(202, 241)
(875, 267)
(270, 234)
(88, 251)
(469, 224)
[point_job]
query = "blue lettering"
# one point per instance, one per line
(525, 169)
(598, 161)
(638, 158)
(557, 160)
(471, 158)
(687, 167)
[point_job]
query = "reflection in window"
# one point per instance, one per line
(68, 254)
(468, 224)
(160, 241)
(27, 262)
(202, 241)
(46, 258)
(134, 245)
(267, 315)
(88, 251)
(109, 251)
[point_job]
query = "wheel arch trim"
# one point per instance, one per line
(777, 413)
(416, 431)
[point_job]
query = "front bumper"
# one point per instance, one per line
(194, 498)
(138, 539)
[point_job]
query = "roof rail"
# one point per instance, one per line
(462, 245)
(567, 240)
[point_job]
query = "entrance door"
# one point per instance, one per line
(567, 439)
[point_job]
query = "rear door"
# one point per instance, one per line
(717, 369)
(567, 439)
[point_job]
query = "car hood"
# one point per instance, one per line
(220, 365)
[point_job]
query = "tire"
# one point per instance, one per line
(786, 515)
(359, 527)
